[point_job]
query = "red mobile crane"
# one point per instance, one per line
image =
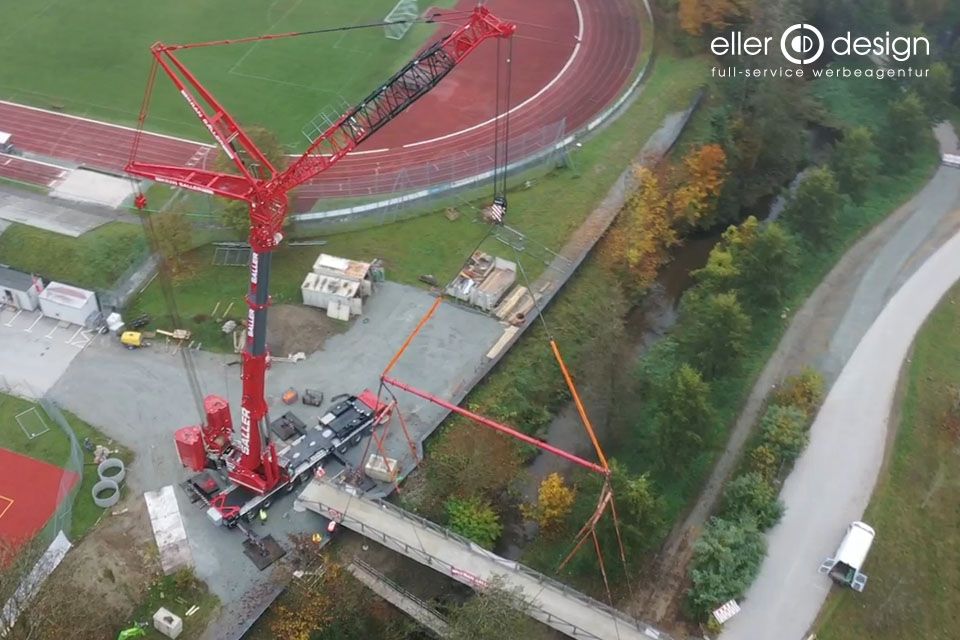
(253, 463)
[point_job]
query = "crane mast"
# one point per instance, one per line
(253, 463)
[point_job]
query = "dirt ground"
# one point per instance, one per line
(293, 328)
(117, 561)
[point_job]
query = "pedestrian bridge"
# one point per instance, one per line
(552, 603)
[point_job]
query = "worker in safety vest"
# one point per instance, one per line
(263, 516)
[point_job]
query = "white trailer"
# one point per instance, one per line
(845, 565)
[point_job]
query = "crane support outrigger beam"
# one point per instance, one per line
(253, 463)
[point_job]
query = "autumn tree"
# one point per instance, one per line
(763, 460)
(698, 16)
(685, 415)
(470, 460)
(174, 235)
(726, 559)
(803, 391)
(814, 209)
(698, 185)
(640, 244)
(855, 163)
(554, 501)
(474, 519)
(714, 331)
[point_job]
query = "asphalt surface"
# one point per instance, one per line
(830, 486)
(141, 397)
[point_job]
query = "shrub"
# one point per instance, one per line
(783, 429)
(803, 391)
(474, 519)
(752, 496)
(726, 559)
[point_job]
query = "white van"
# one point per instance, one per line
(844, 567)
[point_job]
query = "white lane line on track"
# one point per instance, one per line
(570, 60)
(105, 124)
(30, 161)
(573, 56)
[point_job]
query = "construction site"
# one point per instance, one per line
(308, 429)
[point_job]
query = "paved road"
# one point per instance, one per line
(834, 478)
(822, 334)
(554, 604)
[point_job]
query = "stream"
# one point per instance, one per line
(645, 325)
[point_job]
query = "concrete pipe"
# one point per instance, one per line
(112, 490)
(115, 465)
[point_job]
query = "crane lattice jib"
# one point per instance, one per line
(254, 463)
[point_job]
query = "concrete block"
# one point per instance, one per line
(167, 623)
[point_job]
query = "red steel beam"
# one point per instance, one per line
(487, 422)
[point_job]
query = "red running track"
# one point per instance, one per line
(448, 134)
(30, 491)
(30, 171)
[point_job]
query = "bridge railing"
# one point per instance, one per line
(479, 582)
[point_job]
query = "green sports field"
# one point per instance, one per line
(91, 57)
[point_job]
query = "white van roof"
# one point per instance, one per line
(5, 137)
(855, 545)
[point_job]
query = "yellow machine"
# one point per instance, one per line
(133, 340)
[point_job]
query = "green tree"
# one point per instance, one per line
(269, 145)
(803, 391)
(475, 519)
(726, 559)
(906, 130)
(235, 214)
(765, 258)
(174, 235)
(936, 91)
(494, 613)
(640, 514)
(855, 162)
(814, 208)
(685, 416)
(764, 146)
(784, 431)
(714, 331)
(752, 496)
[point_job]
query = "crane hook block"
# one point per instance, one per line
(497, 211)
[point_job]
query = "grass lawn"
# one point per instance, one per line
(54, 447)
(914, 565)
(178, 593)
(94, 260)
(547, 213)
(91, 58)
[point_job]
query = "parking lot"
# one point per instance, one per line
(37, 350)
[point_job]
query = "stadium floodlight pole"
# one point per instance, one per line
(266, 191)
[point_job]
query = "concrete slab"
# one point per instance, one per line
(149, 398)
(83, 185)
(36, 351)
(44, 214)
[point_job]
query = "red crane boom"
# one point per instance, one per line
(266, 189)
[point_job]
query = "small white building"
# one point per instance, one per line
(20, 290)
(68, 303)
(337, 285)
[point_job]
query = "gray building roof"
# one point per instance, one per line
(15, 280)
